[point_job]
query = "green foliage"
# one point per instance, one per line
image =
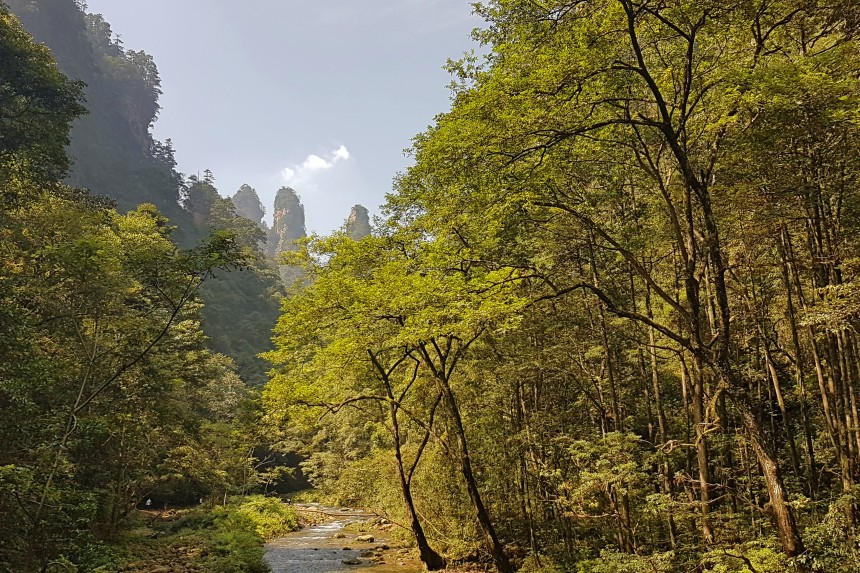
(604, 467)
(271, 517)
(224, 538)
(611, 311)
(106, 384)
(749, 557)
(615, 562)
(540, 564)
(834, 543)
(101, 416)
(37, 106)
(234, 548)
(629, 245)
(232, 536)
(368, 482)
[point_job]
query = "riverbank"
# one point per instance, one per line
(222, 539)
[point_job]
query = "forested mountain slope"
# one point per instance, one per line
(112, 148)
(115, 155)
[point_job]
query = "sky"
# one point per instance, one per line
(321, 95)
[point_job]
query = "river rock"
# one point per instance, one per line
(381, 547)
(339, 535)
(351, 561)
(364, 539)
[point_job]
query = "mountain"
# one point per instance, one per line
(358, 223)
(115, 155)
(288, 226)
(248, 205)
(112, 147)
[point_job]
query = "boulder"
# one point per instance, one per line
(364, 539)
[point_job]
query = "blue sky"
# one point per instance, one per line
(320, 95)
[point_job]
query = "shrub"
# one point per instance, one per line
(616, 562)
(540, 564)
(270, 517)
(234, 547)
(833, 544)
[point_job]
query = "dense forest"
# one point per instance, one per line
(609, 320)
(606, 322)
(133, 303)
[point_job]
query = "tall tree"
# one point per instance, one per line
(37, 106)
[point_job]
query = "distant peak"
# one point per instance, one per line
(248, 204)
(287, 198)
(358, 223)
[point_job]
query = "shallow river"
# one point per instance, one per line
(317, 550)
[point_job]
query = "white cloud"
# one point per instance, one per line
(301, 173)
(341, 153)
(316, 163)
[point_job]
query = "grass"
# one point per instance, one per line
(223, 539)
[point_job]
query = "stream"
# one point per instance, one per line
(316, 549)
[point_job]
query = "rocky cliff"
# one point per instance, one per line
(358, 223)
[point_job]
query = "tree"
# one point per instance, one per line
(594, 152)
(102, 302)
(200, 196)
(337, 347)
(37, 106)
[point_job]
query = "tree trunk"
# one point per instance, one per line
(431, 559)
(702, 452)
(783, 518)
(780, 400)
(784, 250)
(491, 540)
